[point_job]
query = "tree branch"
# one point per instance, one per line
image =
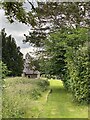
(31, 5)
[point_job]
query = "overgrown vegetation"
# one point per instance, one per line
(47, 16)
(3, 70)
(26, 98)
(23, 97)
(67, 56)
(77, 78)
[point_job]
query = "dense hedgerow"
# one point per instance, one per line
(77, 75)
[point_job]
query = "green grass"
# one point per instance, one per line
(26, 98)
(60, 104)
(23, 97)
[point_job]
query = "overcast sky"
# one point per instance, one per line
(17, 30)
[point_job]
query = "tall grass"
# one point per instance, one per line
(23, 97)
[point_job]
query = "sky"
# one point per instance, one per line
(17, 30)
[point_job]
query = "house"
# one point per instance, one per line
(29, 70)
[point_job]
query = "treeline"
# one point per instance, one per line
(68, 58)
(12, 58)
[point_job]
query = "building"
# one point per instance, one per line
(29, 70)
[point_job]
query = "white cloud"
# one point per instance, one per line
(29, 50)
(17, 30)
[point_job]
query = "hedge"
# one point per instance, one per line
(77, 77)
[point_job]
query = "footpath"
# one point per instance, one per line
(60, 104)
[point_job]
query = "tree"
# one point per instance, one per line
(11, 54)
(54, 55)
(67, 56)
(47, 17)
(34, 63)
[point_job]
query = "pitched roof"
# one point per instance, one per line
(30, 71)
(27, 69)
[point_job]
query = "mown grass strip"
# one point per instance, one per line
(60, 104)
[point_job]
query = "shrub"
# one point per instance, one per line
(77, 79)
(3, 70)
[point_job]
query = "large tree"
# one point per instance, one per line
(47, 17)
(67, 55)
(11, 54)
(52, 59)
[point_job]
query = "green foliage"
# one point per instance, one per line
(60, 104)
(52, 62)
(23, 97)
(77, 75)
(34, 63)
(3, 70)
(73, 12)
(64, 48)
(67, 57)
(43, 86)
(55, 15)
(36, 94)
(11, 54)
(18, 101)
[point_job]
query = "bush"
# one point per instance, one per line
(3, 70)
(77, 77)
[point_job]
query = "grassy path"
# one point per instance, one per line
(60, 104)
